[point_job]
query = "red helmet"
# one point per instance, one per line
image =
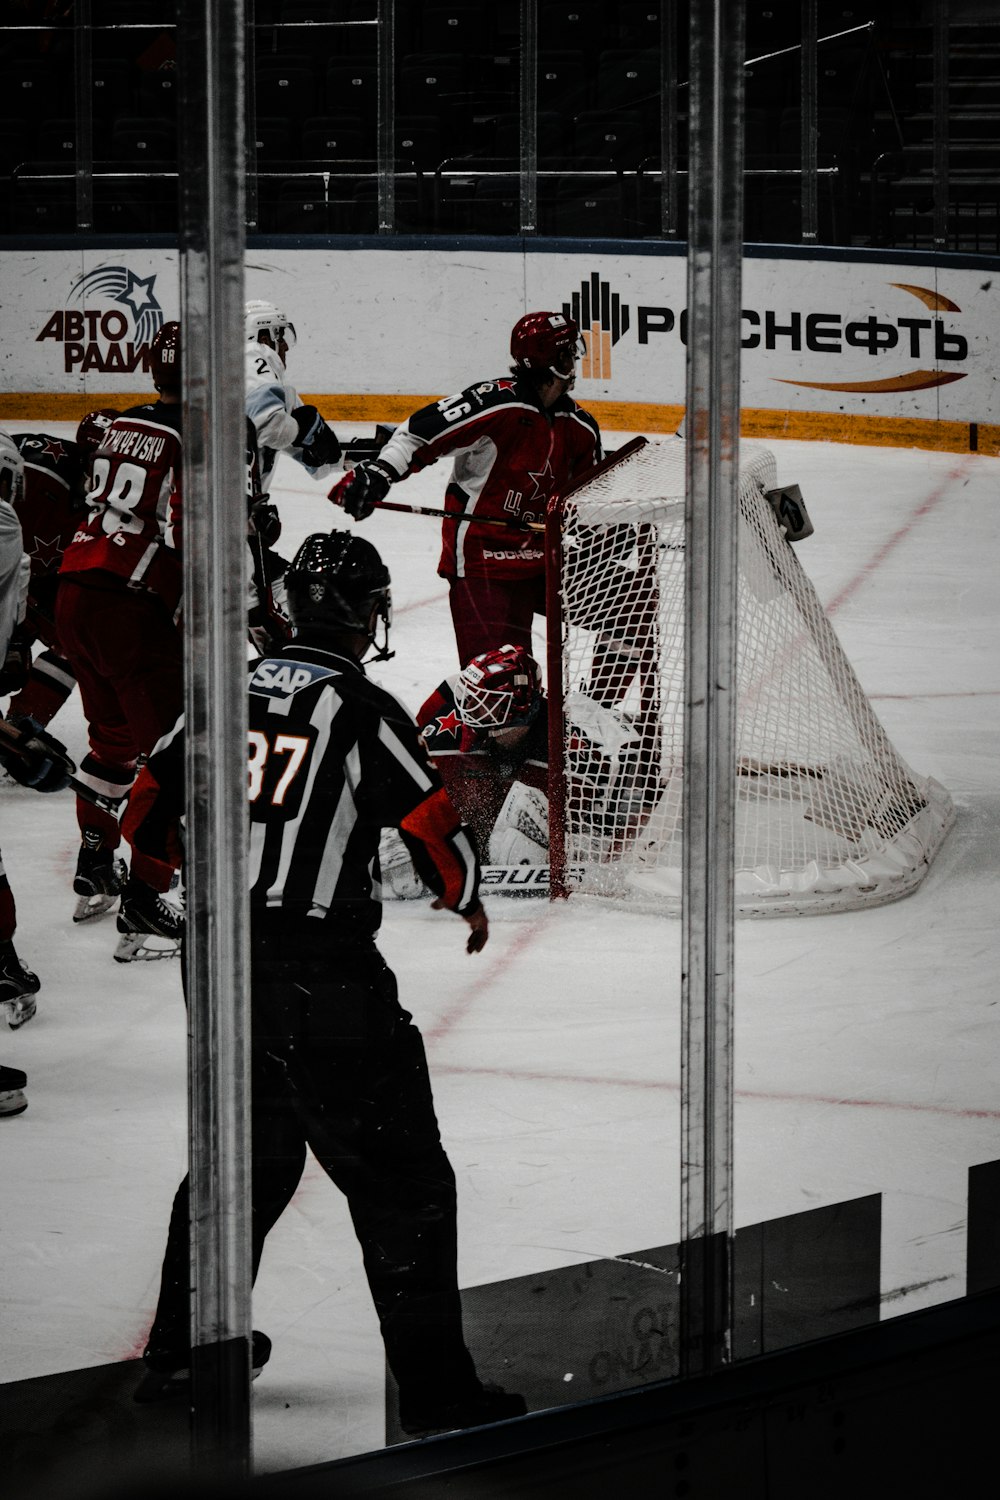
(165, 359)
(547, 341)
(92, 428)
(499, 689)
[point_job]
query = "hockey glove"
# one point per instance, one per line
(316, 441)
(265, 522)
(35, 758)
(364, 488)
(17, 664)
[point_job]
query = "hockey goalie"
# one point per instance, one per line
(486, 730)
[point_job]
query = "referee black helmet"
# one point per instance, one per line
(335, 583)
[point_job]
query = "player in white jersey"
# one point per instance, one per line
(283, 423)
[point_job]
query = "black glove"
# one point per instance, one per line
(17, 663)
(266, 522)
(365, 487)
(39, 761)
(317, 442)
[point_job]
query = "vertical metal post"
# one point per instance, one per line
(809, 124)
(252, 201)
(211, 80)
(713, 415)
(386, 42)
(529, 116)
(941, 183)
(669, 226)
(83, 67)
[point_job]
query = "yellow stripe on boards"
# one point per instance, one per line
(866, 430)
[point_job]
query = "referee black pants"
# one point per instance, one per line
(338, 1066)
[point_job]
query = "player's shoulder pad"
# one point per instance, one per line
(488, 393)
(383, 703)
(578, 413)
(59, 455)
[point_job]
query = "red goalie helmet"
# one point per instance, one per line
(165, 359)
(499, 689)
(92, 428)
(546, 341)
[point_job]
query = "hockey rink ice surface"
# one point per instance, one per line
(866, 1043)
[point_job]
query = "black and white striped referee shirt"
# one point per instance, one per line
(333, 760)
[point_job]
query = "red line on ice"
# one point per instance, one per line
(934, 499)
(759, 1096)
(495, 970)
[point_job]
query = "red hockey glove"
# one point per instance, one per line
(363, 488)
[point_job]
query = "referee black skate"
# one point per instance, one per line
(337, 1065)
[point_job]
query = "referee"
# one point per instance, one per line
(336, 1064)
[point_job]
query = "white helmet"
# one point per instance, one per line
(11, 468)
(264, 317)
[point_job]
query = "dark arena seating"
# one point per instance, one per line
(606, 78)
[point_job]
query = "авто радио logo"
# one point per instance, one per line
(112, 328)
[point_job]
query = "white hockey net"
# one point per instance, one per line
(828, 816)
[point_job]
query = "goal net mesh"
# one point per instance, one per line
(828, 815)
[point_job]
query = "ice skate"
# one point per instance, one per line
(168, 1371)
(12, 1083)
(18, 988)
(100, 876)
(150, 927)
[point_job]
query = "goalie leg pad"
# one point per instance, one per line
(521, 832)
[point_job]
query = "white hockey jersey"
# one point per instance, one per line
(15, 569)
(270, 401)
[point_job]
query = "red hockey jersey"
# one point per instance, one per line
(133, 528)
(53, 501)
(510, 458)
(476, 770)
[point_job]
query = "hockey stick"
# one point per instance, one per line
(448, 515)
(358, 449)
(451, 515)
(16, 743)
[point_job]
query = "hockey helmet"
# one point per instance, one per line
(332, 584)
(165, 359)
(11, 469)
(547, 343)
(93, 428)
(499, 689)
(264, 317)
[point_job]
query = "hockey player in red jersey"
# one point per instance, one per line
(117, 611)
(516, 442)
(56, 479)
(485, 730)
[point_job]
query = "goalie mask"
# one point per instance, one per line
(500, 689)
(545, 344)
(333, 584)
(264, 317)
